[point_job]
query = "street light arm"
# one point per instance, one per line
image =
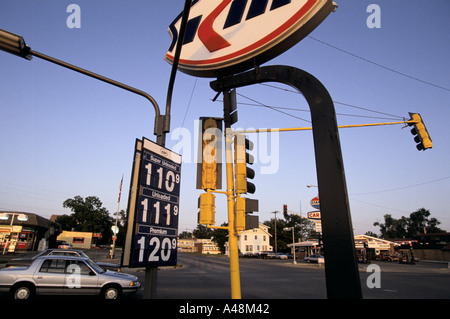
(14, 44)
(187, 8)
(158, 125)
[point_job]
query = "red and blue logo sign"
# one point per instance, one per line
(315, 202)
(227, 36)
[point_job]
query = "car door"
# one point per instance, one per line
(81, 279)
(50, 277)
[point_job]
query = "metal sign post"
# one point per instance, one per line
(341, 268)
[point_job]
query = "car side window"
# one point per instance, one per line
(77, 266)
(53, 266)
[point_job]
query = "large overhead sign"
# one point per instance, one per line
(229, 36)
(153, 207)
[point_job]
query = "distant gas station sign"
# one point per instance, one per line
(225, 36)
(315, 203)
(314, 215)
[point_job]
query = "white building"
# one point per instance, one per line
(253, 241)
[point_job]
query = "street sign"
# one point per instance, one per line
(155, 229)
(225, 36)
(318, 226)
(115, 229)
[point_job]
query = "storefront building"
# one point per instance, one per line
(306, 248)
(196, 245)
(80, 240)
(21, 231)
(371, 248)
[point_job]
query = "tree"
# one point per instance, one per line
(371, 234)
(219, 236)
(185, 234)
(420, 223)
(392, 228)
(203, 232)
(407, 227)
(88, 216)
(303, 230)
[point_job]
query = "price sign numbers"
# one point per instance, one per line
(161, 178)
(159, 191)
(158, 212)
(155, 249)
(157, 207)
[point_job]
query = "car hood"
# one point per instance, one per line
(120, 275)
(102, 264)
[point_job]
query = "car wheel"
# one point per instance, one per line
(111, 292)
(23, 291)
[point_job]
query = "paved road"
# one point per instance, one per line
(207, 277)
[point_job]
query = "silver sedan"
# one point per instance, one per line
(65, 275)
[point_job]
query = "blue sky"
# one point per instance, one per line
(64, 134)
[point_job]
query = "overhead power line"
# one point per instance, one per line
(336, 102)
(378, 65)
(404, 187)
(273, 108)
(282, 109)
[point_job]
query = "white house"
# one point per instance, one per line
(253, 241)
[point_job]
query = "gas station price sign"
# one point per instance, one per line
(154, 241)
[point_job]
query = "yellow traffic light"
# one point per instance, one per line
(207, 209)
(420, 131)
(209, 171)
(241, 171)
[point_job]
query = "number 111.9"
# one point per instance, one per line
(157, 211)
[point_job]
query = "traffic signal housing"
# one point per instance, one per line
(207, 203)
(209, 167)
(285, 209)
(420, 131)
(241, 171)
(245, 206)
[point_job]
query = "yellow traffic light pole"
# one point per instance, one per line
(232, 234)
(207, 200)
(310, 128)
(423, 138)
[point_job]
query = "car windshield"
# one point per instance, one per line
(38, 255)
(96, 267)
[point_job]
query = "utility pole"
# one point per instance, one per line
(275, 230)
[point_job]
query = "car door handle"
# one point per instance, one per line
(39, 277)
